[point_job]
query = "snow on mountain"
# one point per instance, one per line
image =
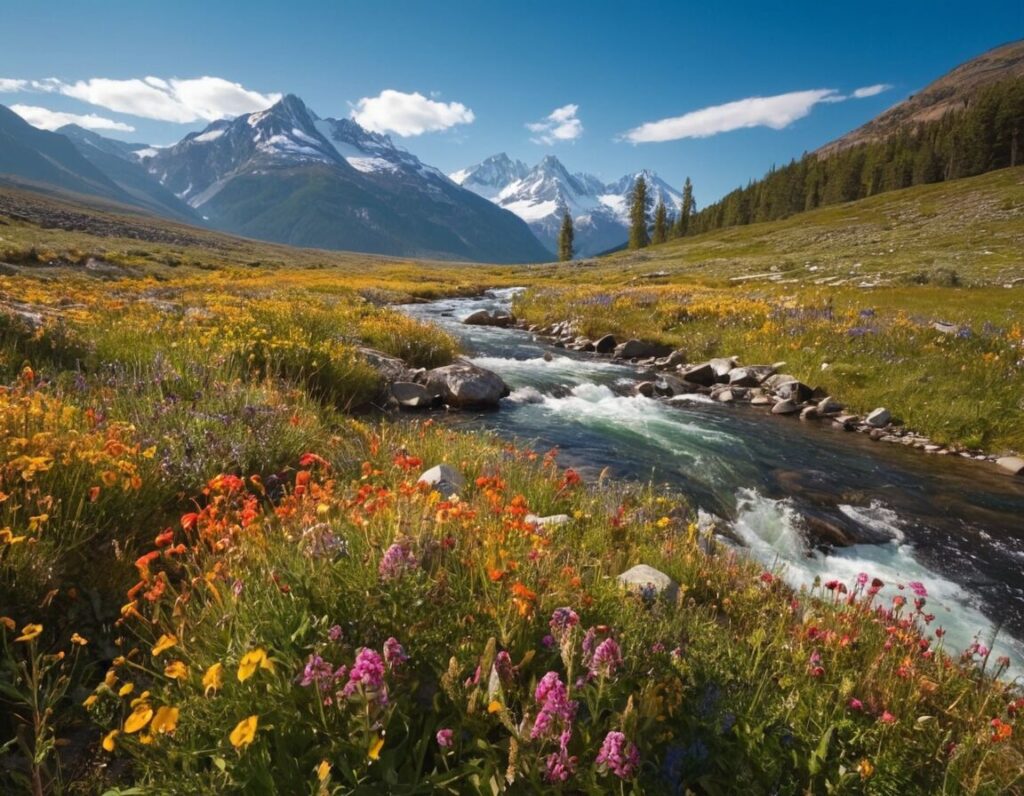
(286, 174)
(541, 195)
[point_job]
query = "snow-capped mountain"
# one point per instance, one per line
(541, 195)
(285, 174)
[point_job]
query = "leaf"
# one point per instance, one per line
(221, 763)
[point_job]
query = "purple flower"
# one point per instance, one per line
(557, 711)
(560, 765)
(589, 642)
(562, 621)
(394, 653)
(503, 666)
(862, 578)
(618, 755)
(918, 588)
(397, 560)
(548, 641)
(367, 674)
(445, 738)
(607, 658)
(334, 633)
(319, 672)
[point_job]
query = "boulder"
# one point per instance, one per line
(547, 522)
(785, 407)
(750, 376)
(606, 344)
(637, 349)
(1012, 464)
(410, 395)
(464, 385)
(669, 385)
(726, 396)
(478, 318)
(643, 578)
(878, 418)
(795, 391)
(444, 479)
(390, 368)
(677, 357)
(829, 406)
(760, 400)
(809, 413)
(722, 367)
(503, 319)
(646, 389)
(704, 375)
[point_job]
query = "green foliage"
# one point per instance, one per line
(565, 238)
(661, 225)
(638, 211)
(981, 138)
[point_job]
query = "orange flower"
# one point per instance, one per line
(164, 643)
(108, 740)
(212, 679)
(176, 670)
(165, 537)
(138, 718)
(165, 720)
(252, 660)
(29, 632)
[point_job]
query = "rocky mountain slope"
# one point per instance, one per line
(542, 194)
(286, 175)
(950, 93)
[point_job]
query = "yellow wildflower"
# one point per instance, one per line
(176, 670)
(494, 707)
(108, 740)
(323, 771)
(165, 720)
(89, 701)
(29, 632)
(375, 746)
(79, 640)
(865, 768)
(213, 679)
(138, 718)
(126, 689)
(252, 660)
(164, 643)
(244, 732)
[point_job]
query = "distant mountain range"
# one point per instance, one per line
(541, 196)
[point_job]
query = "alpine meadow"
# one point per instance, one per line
(542, 418)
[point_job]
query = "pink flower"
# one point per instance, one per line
(557, 711)
(887, 718)
(367, 674)
(562, 621)
(618, 755)
(862, 578)
(445, 738)
(394, 653)
(918, 588)
(607, 658)
(856, 704)
(396, 561)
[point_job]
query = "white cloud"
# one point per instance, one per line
(559, 125)
(10, 85)
(45, 119)
(871, 91)
(775, 112)
(408, 114)
(183, 101)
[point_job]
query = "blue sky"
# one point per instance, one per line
(485, 70)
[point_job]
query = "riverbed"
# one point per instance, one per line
(771, 483)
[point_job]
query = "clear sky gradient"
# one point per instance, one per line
(511, 64)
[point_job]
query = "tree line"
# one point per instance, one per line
(983, 136)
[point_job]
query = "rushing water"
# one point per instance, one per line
(953, 524)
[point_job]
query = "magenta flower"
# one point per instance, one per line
(557, 711)
(606, 659)
(618, 755)
(560, 765)
(887, 718)
(562, 621)
(397, 560)
(856, 704)
(394, 653)
(445, 738)
(334, 633)
(862, 578)
(367, 674)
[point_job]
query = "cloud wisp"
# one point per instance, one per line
(175, 100)
(776, 112)
(561, 124)
(45, 119)
(408, 114)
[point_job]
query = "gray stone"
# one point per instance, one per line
(478, 318)
(637, 349)
(464, 385)
(552, 521)
(411, 395)
(725, 396)
(1012, 464)
(786, 407)
(677, 357)
(390, 368)
(642, 577)
(878, 418)
(750, 375)
(760, 400)
(829, 406)
(444, 479)
(606, 344)
(646, 389)
(722, 366)
(503, 319)
(704, 375)
(794, 390)
(809, 413)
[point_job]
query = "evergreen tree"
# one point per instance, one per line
(686, 209)
(638, 237)
(660, 234)
(565, 238)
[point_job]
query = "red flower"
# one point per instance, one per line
(309, 459)
(165, 538)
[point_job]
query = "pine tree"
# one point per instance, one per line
(660, 234)
(638, 237)
(685, 210)
(565, 238)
